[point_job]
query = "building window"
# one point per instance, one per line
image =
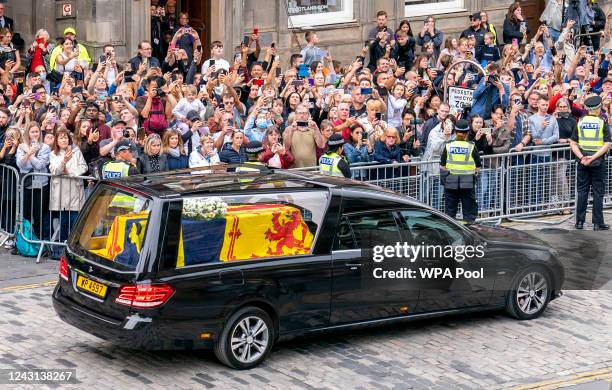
(303, 13)
(424, 7)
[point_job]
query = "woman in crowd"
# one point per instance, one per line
(172, 147)
(275, 155)
(8, 53)
(395, 105)
(451, 48)
(438, 137)
(234, 152)
(204, 155)
(86, 139)
(372, 124)
(515, 25)
(68, 60)
(33, 157)
(8, 202)
(39, 53)
(358, 149)
(152, 160)
(67, 194)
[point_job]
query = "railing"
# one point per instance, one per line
(537, 181)
(9, 201)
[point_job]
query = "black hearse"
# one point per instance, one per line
(236, 262)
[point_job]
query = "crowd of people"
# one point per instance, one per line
(175, 106)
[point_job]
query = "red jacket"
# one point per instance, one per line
(286, 160)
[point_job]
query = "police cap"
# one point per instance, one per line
(123, 145)
(593, 102)
(462, 125)
(254, 147)
(335, 141)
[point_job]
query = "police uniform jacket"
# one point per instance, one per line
(606, 138)
(456, 182)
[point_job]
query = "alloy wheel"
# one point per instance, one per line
(249, 340)
(532, 293)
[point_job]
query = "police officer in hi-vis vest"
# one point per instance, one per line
(253, 149)
(333, 163)
(590, 143)
(460, 163)
(122, 165)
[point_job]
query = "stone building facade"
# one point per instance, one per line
(342, 25)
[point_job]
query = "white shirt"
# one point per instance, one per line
(219, 64)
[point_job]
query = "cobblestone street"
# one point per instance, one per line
(476, 351)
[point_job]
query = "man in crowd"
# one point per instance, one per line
(144, 57)
(475, 30)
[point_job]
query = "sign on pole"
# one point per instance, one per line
(459, 98)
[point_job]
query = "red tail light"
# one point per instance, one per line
(144, 295)
(64, 272)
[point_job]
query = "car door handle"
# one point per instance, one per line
(353, 266)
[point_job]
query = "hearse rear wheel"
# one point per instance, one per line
(246, 339)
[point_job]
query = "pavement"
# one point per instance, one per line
(569, 346)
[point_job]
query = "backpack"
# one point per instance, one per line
(23, 247)
(156, 122)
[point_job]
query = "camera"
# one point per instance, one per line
(493, 78)
(126, 134)
(160, 93)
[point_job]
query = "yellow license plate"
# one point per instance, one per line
(93, 287)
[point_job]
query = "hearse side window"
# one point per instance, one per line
(430, 229)
(114, 228)
(344, 236)
(248, 227)
(377, 228)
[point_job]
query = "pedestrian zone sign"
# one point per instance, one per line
(459, 98)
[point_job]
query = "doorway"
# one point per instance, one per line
(199, 19)
(532, 9)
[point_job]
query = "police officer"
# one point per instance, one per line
(253, 149)
(122, 165)
(333, 163)
(460, 163)
(590, 142)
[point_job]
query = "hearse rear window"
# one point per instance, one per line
(247, 227)
(115, 227)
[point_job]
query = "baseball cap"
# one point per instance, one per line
(475, 16)
(193, 116)
(70, 30)
(118, 121)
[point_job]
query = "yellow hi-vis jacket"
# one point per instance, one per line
(459, 160)
(590, 133)
(115, 169)
(328, 164)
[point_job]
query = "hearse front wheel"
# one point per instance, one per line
(246, 339)
(530, 294)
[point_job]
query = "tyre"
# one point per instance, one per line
(530, 294)
(246, 339)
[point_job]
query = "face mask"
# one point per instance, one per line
(261, 123)
(43, 75)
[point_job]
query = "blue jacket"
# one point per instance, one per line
(230, 156)
(181, 162)
(384, 155)
(355, 155)
(484, 91)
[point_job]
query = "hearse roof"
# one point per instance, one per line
(190, 182)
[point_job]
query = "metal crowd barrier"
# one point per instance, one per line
(536, 181)
(9, 202)
(50, 204)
